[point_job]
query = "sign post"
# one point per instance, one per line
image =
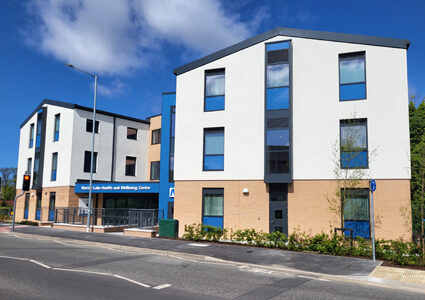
(372, 189)
(25, 187)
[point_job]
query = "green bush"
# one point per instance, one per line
(32, 223)
(199, 232)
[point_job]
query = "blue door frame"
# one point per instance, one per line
(51, 215)
(26, 213)
(37, 214)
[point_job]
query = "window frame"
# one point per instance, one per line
(217, 71)
(212, 191)
(154, 132)
(89, 128)
(354, 121)
(135, 165)
(54, 170)
(364, 192)
(203, 156)
(29, 166)
(158, 163)
(56, 131)
(346, 56)
(32, 132)
(94, 159)
(130, 138)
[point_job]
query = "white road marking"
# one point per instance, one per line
(132, 281)
(11, 234)
(83, 271)
(199, 245)
(313, 278)
(17, 258)
(40, 264)
(160, 287)
(59, 242)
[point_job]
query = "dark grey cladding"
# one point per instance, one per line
(301, 33)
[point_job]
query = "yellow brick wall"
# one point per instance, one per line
(154, 151)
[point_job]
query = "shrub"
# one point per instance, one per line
(26, 222)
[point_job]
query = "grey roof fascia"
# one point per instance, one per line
(294, 32)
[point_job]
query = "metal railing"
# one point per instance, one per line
(108, 216)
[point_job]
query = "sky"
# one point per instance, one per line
(134, 46)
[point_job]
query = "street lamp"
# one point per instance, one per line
(92, 142)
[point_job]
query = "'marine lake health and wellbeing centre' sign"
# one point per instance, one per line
(118, 187)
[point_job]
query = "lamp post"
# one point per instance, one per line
(92, 143)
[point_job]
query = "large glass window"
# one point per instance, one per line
(29, 166)
(54, 166)
(214, 90)
(38, 136)
(353, 143)
(155, 166)
(87, 159)
(89, 126)
(36, 169)
(131, 133)
(156, 136)
(130, 166)
(213, 149)
(172, 138)
(31, 141)
(277, 76)
(352, 76)
(212, 206)
(356, 212)
(57, 125)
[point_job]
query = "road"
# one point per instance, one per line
(32, 268)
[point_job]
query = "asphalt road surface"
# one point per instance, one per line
(32, 268)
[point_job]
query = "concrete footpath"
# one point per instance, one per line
(317, 264)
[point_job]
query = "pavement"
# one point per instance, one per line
(345, 268)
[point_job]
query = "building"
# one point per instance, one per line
(55, 148)
(259, 121)
(253, 137)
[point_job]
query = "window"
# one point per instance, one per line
(31, 142)
(213, 149)
(155, 170)
(38, 137)
(156, 136)
(131, 133)
(212, 206)
(52, 203)
(352, 76)
(87, 159)
(29, 166)
(353, 143)
(57, 125)
(89, 126)
(277, 76)
(214, 90)
(356, 212)
(130, 166)
(277, 146)
(54, 166)
(172, 138)
(36, 169)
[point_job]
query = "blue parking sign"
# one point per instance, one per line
(373, 185)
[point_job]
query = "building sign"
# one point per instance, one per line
(118, 187)
(171, 192)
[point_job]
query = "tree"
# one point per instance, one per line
(418, 168)
(8, 182)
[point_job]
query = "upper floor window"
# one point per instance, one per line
(172, 139)
(131, 133)
(57, 125)
(214, 90)
(29, 166)
(353, 143)
(352, 76)
(31, 141)
(38, 136)
(277, 76)
(156, 136)
(155, 165)
(277, 146)
(36, 169)
(54, 166)
(130, 166)
(87, 159)
(213, 149)
(89, 126)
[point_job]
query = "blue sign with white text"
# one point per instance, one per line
(373, 185)
(118, 187)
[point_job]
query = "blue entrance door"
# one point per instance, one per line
(27, 203)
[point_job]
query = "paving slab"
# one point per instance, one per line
(310, 262)
(399, 274)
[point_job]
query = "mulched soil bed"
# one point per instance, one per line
(387, 263)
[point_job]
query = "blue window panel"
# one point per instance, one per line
(214, 103)
(277, 46)
(278, 98)
(354, 159)
(360, 228)
(352, 91)
(277, 75)
(214, 162)
(37, 214)
(26, 214)
(278, 137)
(54, 175)
(56, 138)
(38, 141)
(31, 143)
(213, 221)
(51, 215)
(214, 142)
(351, 71)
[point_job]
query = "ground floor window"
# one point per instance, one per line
(52, 204)
(212, 206)
(27, 205)
(356, 212)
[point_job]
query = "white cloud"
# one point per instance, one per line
(113, 37)
(114, 88)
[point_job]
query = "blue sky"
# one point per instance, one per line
(134, 46)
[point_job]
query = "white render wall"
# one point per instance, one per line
(24, 151)
(316, 112)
